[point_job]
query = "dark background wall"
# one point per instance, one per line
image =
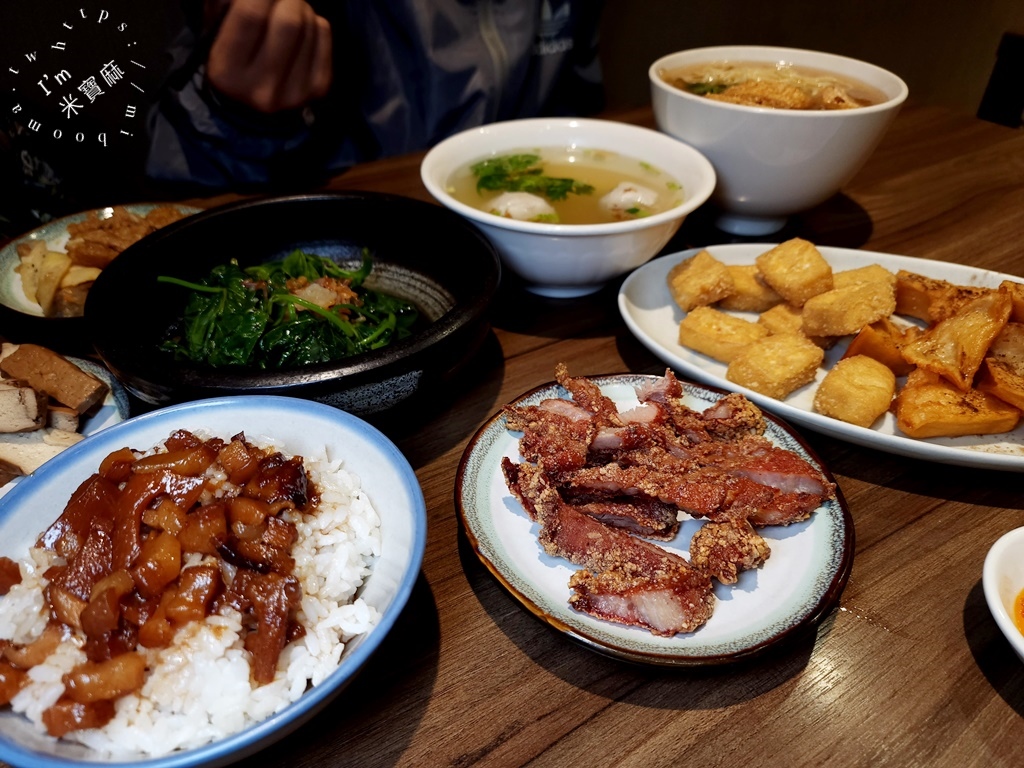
(944, 49)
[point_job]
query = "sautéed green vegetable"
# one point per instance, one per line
(261, 317)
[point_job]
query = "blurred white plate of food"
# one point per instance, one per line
(89, 239)
(46, 274)
(649, 311)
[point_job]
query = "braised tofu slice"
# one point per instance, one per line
(54, 374)
(22, 408)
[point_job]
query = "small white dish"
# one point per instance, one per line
(646, 305)
(114, 409)
(793, 590)
(1003, 580)
(298, 427)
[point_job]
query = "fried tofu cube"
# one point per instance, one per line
(883, 341)
(929, 406)
(1002, 371)
(698, 281)
(858, 390)
(782, 318)
(955, 347)
(718, 334)
(776, 365)
(930, 299)
(872, 273)
(750, 292)
(844, 311)
(785, 318)
(796, 270)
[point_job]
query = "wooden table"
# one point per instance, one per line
(909, 669)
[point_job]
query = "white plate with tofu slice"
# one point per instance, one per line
(647, 307)
(26, 451)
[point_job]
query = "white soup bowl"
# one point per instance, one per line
(772, 163)
(566, 260)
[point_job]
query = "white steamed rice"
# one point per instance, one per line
(198, 690)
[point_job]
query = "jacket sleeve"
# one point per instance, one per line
(197, 137)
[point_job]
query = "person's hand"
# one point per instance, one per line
(271, 55)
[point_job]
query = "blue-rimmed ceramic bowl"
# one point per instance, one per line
(299, 427)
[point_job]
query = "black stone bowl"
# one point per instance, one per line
(67, 335)
(422, 253)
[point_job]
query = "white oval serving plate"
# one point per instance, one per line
(647, 307)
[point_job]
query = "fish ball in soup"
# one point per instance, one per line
(628, 196)
(565, 186)
(522, 206)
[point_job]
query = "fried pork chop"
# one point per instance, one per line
(597, 479)
(625, 579)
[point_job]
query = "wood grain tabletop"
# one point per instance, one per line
(908, 668)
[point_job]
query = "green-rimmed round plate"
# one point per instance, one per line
(809, 565)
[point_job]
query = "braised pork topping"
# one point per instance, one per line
(129, 538)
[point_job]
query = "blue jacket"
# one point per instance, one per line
(408, 73)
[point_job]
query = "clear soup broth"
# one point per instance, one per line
(571, 186)
(773, 84)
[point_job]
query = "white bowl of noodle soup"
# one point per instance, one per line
(563, 260)
(772, 163)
